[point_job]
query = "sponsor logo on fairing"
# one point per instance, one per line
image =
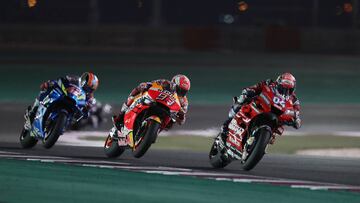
(264, 97)
(234, 141)
(235, 127)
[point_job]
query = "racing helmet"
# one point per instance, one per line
(286, 84)
(89, 82)
(182, 84)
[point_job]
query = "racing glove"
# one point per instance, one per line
(181, 118)
(45, 85)
(297, 123)
(124, 107)
(297, 120)
(246, 96)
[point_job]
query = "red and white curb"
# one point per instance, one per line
(213, 175)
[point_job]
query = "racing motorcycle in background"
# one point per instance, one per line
(55, 113)
(97, 115)
(253, 127)
(149, 114)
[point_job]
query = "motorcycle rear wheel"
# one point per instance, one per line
(150, 136)
(111, 148)
(261, 141)
(56, 130)
(26, 140)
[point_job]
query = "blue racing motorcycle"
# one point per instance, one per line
(57, 110)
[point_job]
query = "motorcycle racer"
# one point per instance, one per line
(88, 82)
(285, 85)
(179, 83)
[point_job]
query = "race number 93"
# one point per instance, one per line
(166, 96)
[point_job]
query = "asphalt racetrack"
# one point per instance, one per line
(324, 170)
(319, 169)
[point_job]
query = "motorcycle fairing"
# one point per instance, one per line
(155, 94)
(37, 127)
(254, 113)
(56, 94)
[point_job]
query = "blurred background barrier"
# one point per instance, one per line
(223, 46)
(283, 39)
(305, 26)
(177, 38)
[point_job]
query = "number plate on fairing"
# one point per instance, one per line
(166, 96)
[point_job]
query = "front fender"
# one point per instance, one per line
(155, 118)
(263, 127)
(264, 119)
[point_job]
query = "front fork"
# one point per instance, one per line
(250, 141)
(223, 149)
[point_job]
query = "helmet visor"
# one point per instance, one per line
(87, 89)
(181, 92)
(285, 90)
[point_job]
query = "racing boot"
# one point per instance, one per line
(27, 124)
(30, 114)
(225, 127)
(118, 120)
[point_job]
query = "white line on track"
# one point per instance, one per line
(78, 161)
(173, 168)
(241, 178)
(257, 179)
(98, 166)
(29, 156)
(42, 160)
(162, 172)
(223, 179)
(6, 152)
(340, 187)
(274, 181)
(146, 168)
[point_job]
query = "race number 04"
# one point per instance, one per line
(279, 101)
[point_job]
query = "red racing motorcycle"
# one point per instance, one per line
(252, 129)
(149, 114)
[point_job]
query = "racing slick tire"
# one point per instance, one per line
(111, 148)
(261, 141)
(55, 130)
(216, 157)
(150, 136)
(26, 140)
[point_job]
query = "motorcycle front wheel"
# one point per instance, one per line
(261, 140)
(149, 137)
(216, 157)
(111, 148)
(55, 130)
(26, 140)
